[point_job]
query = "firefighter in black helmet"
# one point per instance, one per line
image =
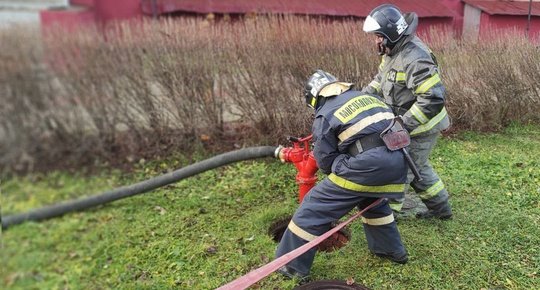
(359, 167)
(387, 22)
(408, 80)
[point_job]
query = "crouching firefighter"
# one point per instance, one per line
(360, 169)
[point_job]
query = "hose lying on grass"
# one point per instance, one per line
(140, 187)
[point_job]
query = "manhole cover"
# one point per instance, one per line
(330, 285)
(332, 243)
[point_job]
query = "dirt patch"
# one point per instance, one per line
(332, 243)
(335, 241)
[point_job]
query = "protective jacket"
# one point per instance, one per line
(408, 80)
(340, 122)
(354, 180)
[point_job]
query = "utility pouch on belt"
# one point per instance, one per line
(396, 137)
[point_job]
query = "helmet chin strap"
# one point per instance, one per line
(381, 47)
(320, 102)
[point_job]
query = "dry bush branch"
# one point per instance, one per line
(143, 89)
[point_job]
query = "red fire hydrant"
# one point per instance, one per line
(304, 161)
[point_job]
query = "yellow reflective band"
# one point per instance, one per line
(313, 102)
(382, 62)
(379, 221)
(396, 206)
(432, 190)
(362, 124)
(427, 126)
(375, 85)
(418, 114)
(425, 86)
(344, 183)
(300, 232)
(357, 105)
(400, 77)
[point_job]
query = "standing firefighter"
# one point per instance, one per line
(409, 81)
(360, 168)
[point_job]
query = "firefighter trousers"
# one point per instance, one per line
(431, 189)
(327, 203)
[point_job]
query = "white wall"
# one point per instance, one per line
(25, 11)
(471, 22)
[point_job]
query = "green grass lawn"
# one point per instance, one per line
(212, 228)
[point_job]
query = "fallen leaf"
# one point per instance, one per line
(350, 281)
(161, 210)
(265, 259)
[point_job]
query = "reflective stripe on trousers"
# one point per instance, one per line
(327, 203)
(431, 187)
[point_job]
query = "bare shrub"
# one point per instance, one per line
(27, 94)
(143, 89)
(491, 83)
(275, 56)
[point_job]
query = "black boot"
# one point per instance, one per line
(291, 273)
(438, 207)
(400, 259)
(443, 212)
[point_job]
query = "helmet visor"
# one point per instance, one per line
(371, 25)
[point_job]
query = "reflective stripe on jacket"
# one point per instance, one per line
(338, 123)
(409, 81)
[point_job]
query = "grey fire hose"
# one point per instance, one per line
(140, 187)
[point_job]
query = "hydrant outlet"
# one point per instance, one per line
(279, 154)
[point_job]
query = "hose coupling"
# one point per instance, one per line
(279, 154)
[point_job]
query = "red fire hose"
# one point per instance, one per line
(300, 155)
(260, 273)
(304, 161)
